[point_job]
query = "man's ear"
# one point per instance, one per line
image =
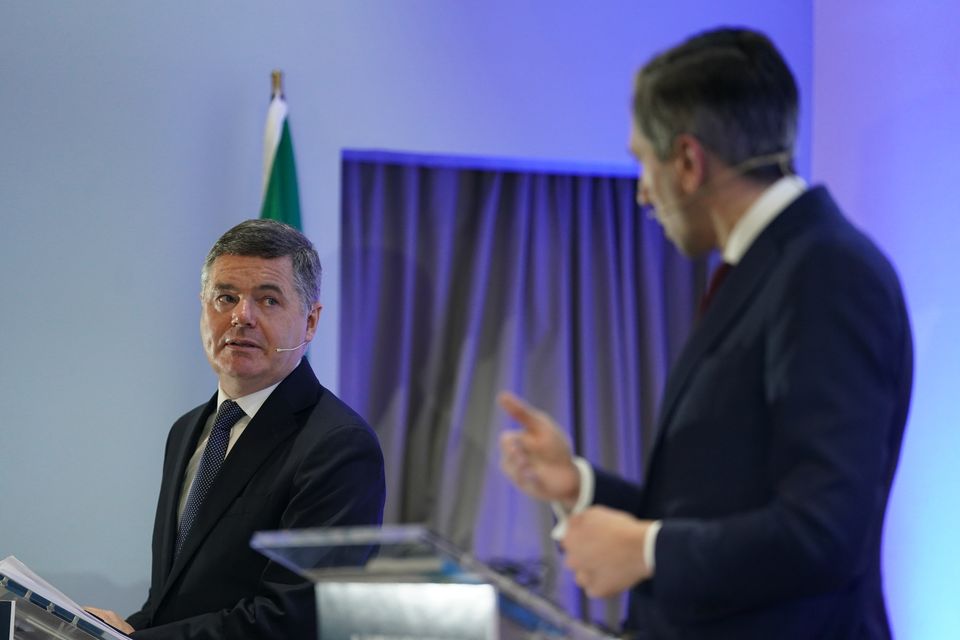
(690, 158)
(313, 319)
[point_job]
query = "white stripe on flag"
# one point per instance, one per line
(276, 115)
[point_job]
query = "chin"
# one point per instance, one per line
(239, 367)
(687, 249)
(692, 247)
(697, 252)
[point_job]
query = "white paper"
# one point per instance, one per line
(22, 574)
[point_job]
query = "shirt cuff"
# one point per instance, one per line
(584, 500)
(650, 545)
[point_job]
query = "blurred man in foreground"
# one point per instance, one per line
(761, 508)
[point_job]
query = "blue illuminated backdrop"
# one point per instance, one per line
(886, 133)
(131, 139)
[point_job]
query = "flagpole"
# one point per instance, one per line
(276, 78)
(281, 195)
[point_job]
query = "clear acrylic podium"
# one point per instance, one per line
(33, 609)
(413, 585)
(40, 619)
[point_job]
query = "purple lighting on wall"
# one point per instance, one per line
(886, 134)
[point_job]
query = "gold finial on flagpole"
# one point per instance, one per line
(277, 78)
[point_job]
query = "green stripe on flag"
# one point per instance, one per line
(281, 199)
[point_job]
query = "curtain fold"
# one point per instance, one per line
(458, 282)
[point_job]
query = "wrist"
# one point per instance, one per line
(650, 547)
(580, 495)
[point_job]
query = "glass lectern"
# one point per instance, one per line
(403, 582)
(40, 619)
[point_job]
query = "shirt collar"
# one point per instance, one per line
(251, 402)
(761, 213)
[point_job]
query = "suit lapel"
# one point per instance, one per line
(185, 450)
(274, 423)
(736, 294)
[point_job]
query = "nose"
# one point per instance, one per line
(643, 195)
(643, 199)
(244, 313)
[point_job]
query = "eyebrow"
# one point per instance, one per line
(267, 286)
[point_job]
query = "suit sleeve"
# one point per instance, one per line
(615, 492)
(339, 482)
(141, 618)
(836, 378)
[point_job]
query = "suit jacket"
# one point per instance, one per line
(778, 437)
(305, 460)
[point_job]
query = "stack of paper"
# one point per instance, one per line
(21, 580)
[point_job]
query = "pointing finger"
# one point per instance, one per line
(527, 415)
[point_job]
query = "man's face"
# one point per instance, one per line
(250, 306)
(670, 188)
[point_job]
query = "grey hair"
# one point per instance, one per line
(729, 88)
(271, 239)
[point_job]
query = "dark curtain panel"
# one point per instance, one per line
(459, 282)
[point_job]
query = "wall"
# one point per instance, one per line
(132, 138)
(886, 130)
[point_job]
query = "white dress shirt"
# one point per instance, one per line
(250, 404)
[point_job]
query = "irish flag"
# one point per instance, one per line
(281, 197)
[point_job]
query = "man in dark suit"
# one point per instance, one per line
(291, 454)
(761, 508)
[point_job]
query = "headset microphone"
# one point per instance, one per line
(280, 350)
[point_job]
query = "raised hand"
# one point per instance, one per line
(537, 457)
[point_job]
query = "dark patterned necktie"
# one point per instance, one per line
(210, 463)
(715, 281)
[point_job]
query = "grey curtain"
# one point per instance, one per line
(458, 282)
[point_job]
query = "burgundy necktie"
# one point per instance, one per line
(715, 281)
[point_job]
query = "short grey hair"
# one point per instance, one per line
(271, 239)
(729, 88)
